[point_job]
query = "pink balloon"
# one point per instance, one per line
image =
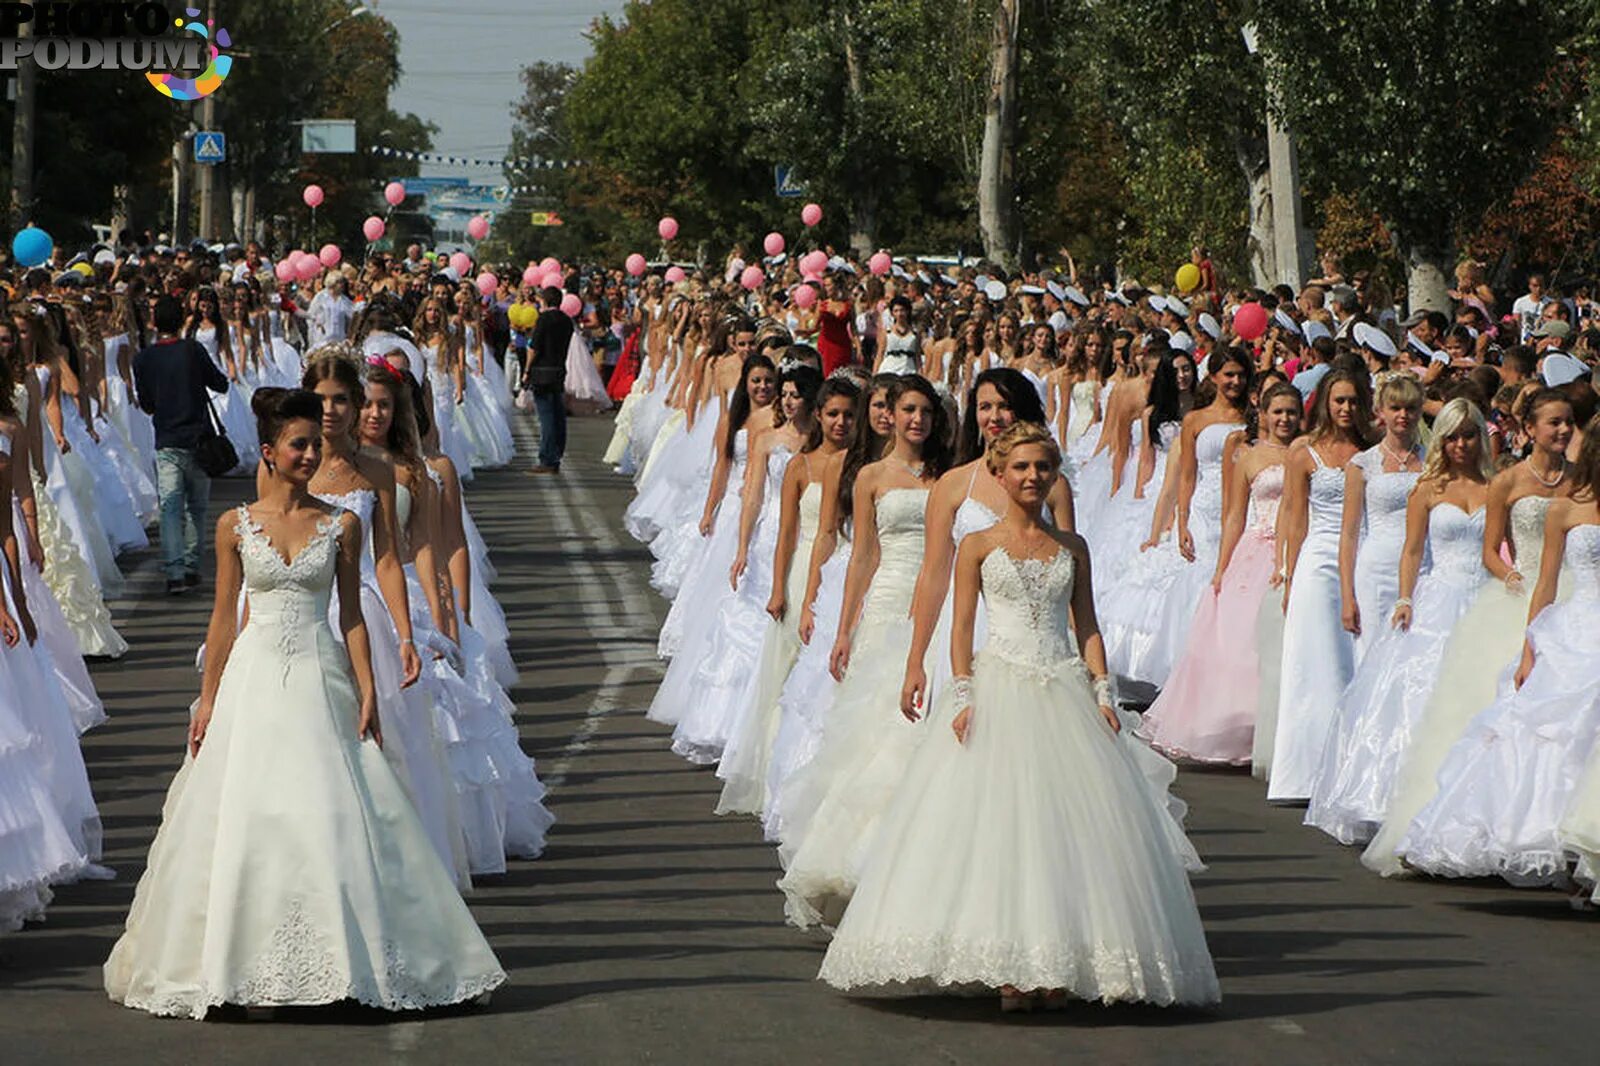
(667, 227)
(395, 193)
(752, 278)
(811, 214)
(488, 283)
(805, 296)
(812, 264)
(1250, 321)
(285, 270)
(330, 255)
(533, 276)
(635, 264)
(880, 263)
(550, 264)
(571, 305)
(307, 266)
(478, 228)
(675, 274)
(373, 228)
(461, 262)
(774, 244)
(312, 195)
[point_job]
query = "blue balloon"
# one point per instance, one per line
(31, 247)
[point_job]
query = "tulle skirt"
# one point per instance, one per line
(1507, 783)
(290, 867)
(1373, 727)
(1479, 659)
(1207, 710)
(584, 384)
(993, 867)
(807, 692)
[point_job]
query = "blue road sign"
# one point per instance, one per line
(783, 179)
(210, 147)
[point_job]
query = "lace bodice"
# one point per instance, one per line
(1526, 526)
(1206, 505)
(1387, 492)
(1582, 562)
(900, 514)
(361, 503)
(1027, 602)
(1327, 499)
(1455, 541)
(288, 599)
(1083, 396)
(1266, 493)
(741, 455)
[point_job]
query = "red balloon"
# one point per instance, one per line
(1250, 321)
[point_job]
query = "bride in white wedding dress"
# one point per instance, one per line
(1023, 849)
(290, 868)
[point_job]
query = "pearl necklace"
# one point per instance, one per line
(1560, 474)
(1403, 458)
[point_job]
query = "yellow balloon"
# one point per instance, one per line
(84, 268)
(1188, 278)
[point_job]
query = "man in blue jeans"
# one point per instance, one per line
(545, 375)
(171, 378)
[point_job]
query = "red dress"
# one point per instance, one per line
(833, 335)
(626, 370)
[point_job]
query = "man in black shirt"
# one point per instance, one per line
(546, 377)
(171, 378)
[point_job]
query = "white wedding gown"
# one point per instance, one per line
(290, 867)
(1034, 854)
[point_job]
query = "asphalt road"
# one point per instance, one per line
(651, 932)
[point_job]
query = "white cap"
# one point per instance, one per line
(1314, 330)
(1368, 336)
(995, 290)
(105, 257)
(1561, 368)
(1054, 289)
(1177, 307)
(1159, 303)
(1286, 320)
(1181, 341)
(1031, 290)
(1076, 297)
(1209, 324)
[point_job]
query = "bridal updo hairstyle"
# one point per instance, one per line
(275, 408)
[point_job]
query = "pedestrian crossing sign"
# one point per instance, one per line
(210, 147)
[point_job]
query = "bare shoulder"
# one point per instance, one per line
(377, 467)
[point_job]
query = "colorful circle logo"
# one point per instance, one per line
(210, 79)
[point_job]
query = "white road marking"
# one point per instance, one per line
(1285, 1027)
(574, 513)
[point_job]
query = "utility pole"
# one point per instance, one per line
(1292, 247)
(22, 137)
(206, 180)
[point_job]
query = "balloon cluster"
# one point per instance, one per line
(522, 316)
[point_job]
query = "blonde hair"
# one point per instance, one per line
(1019, 434)
(1452, 418)
(1399, 388)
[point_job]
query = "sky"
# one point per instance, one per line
(460, 62)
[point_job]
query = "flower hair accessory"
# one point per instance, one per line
(378, 362)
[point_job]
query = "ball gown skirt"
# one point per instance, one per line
(744, 763)
(1269, 655)
(290, 867)
(992, 867)
(490, 431)
(705, 574)
(807, 692)
(584, 385)
(728, 655)
(1507, 783)
(1377, 717)
(675, 481)
(1480, 659)
(119, 516)
(1206, 712)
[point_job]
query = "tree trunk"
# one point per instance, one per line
(1252, 158)
(1428, 278)
(863, 195)
(997, 177)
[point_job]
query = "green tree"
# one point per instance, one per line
(1406, 103)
